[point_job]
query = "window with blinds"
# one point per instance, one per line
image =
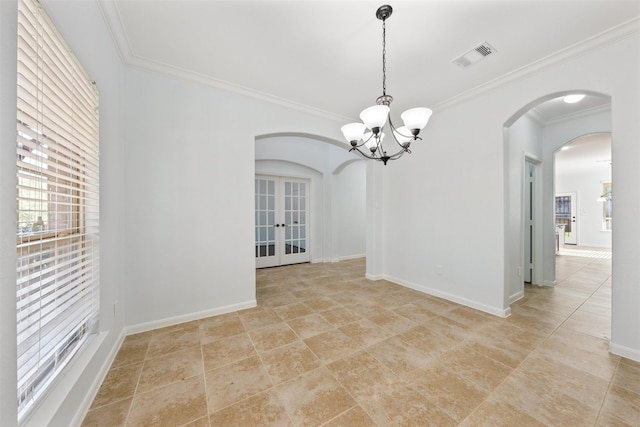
(57, 205)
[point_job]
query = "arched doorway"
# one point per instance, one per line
(337, 190)
(532, 135)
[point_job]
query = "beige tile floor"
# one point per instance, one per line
(326, 347)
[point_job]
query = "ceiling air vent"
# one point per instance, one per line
(479, 52)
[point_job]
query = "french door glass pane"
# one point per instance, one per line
(265, 217)
(563, 212)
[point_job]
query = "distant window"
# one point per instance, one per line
(56, 206)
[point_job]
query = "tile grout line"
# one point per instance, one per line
(135, 391)
(544, 341)
(273, 384)
(610, 385)
(204, 375)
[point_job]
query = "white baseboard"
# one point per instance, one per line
(549, 283)
(374, 277)
(629, 353)
(343, 258)
(170, 321)
(496, 311)
(350, 257)
(515, 297)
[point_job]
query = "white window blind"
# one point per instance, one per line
(57, 205)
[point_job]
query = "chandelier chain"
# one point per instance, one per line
(384, 57)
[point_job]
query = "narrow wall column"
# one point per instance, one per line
(375, 209)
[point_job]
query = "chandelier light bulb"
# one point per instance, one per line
(416, 118)
(353, 132)
(375, 117)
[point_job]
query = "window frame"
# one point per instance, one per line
(57, 207)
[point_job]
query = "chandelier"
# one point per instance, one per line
(366, 137)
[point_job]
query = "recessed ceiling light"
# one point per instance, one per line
(572, 99)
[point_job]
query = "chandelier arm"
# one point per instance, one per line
(364, 153)
(372, 156)
(364, 141)
(384, 158)
(394, 130)
(396, 156)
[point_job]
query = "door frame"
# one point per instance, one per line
(574, 214)
(537, 214)
(280, 257)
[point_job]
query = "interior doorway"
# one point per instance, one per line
(532, 216)
(281, 220)
(566, 218)
(582, 189)
(538, 130)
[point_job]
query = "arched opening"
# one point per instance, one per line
(532, 136)
(335, 203)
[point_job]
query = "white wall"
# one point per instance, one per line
(522, 140)
(446, 205)
(443, 219)
(586, 182)
(349, 212)
(190, 196)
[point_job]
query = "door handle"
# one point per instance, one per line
(284, 225)
(277, 225)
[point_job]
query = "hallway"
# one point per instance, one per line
(582, 292)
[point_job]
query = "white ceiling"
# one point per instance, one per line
(326, 55)
(589, 153)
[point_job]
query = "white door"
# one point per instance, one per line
(566, 216)
(281, 221)
(528, 221)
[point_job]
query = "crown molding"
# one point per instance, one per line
(146, 64)
(578, 114)
(111, 16)
(618, 32)
(542, 121)
(113, 19)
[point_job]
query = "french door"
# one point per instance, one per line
(566, 216)
(281, 220)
